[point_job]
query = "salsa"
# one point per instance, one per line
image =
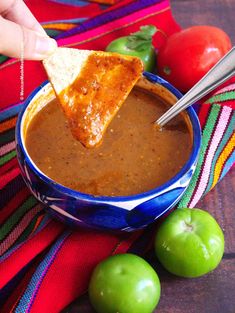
(134, 157)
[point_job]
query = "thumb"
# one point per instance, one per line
(36, 45)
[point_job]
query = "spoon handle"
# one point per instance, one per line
(218, 74)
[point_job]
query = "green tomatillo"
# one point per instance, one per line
(189, 243)
(124, 283)
(137, 44)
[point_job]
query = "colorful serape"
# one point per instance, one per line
(217, 155)
(44, 265)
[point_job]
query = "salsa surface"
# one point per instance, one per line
(134, 156)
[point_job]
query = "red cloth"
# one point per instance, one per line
(58, 262)
(46, 11)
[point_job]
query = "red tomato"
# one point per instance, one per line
(188, 55)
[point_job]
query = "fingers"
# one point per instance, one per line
(36, 46)
(17, 11)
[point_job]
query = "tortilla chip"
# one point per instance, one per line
(91, 87)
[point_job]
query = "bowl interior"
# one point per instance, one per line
(45, 94)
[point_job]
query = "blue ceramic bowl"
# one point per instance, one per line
(127, 213)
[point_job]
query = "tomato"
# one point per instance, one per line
(124, 283)
(187, 55)
(138, 44)
(189, 243)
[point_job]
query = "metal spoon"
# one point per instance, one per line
(219, 73)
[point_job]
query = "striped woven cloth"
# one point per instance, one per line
(43, 265)
(217, 155)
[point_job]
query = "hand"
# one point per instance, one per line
(17, 26)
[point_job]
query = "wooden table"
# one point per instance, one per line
(215, 292)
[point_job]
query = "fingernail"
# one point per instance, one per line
(45, 46)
